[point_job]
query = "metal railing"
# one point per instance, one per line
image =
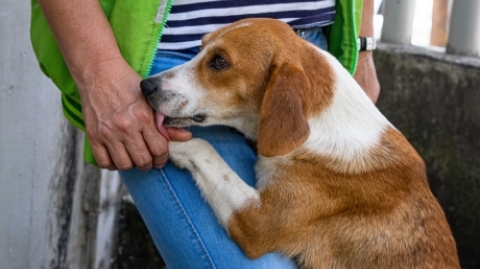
(463, 25)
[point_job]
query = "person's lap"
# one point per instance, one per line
(181, 223)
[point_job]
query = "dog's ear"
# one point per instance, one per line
(283, 123)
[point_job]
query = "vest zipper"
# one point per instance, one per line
(163, 11)
(354, 35)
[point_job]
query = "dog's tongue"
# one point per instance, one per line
(159, 119)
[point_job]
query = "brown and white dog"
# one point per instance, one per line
(338, 185)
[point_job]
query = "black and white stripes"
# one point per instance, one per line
(189, 20)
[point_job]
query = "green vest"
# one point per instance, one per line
(138, 27)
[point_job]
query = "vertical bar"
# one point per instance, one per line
(398, 21)
(440, 22)
(464, 36)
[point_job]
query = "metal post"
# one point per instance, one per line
(464, 36)
(398, 21)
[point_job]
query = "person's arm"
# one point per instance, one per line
(366, 74)
(119, 123)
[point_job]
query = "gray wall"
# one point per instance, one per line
(49, 199)
(434, 99)
(31, 125)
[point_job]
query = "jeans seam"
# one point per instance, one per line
(189, 221)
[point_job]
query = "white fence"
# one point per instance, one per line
(462, 22)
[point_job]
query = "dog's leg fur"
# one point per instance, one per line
(259, 221)
(223, 189)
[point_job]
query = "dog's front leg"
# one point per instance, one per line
(223, 189)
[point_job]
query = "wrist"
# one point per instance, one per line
(366, 53)
(91, 59)
(365, 57)
(366, 43)
(106, 76)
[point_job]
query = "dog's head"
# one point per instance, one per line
(255, 75)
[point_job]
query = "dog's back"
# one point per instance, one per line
(383, 216)
(355, 192)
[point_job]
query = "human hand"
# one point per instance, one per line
(366, 75)
(120, 125)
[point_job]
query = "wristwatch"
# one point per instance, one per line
(366, 43)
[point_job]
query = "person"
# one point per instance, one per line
(97, 52)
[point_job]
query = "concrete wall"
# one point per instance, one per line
(434, 99)
(49, 199)
(30, 126)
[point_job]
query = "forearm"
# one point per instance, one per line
(83, 34)
(366, 74)
(366, 27)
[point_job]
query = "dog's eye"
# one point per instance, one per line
(218, 62)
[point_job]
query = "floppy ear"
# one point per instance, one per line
(283, 123)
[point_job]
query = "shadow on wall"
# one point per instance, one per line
(434, 99)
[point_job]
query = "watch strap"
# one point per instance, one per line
(366, 43)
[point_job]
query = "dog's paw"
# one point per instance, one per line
(186, 154)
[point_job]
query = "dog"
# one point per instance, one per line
(338, 185)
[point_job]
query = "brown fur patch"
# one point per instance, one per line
(301, 84)
(385, 217)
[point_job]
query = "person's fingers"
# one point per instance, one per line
(157, 144)
(161, 159)
(102, 157)
(138, 151)
(107, 140)
(100, 152)
(145, 151)
(178, 134)
(119, 155)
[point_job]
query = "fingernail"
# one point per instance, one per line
(160, 165)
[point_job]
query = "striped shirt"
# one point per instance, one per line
(189, 20)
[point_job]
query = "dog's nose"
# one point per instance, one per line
(148, 86)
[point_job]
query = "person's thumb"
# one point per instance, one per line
(178, 134)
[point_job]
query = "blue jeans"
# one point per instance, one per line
(182, 224)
